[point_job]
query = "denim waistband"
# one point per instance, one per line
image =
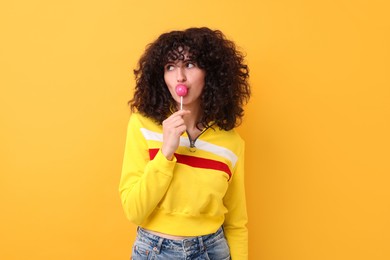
(158, 243)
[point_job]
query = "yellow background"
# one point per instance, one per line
(317, 128)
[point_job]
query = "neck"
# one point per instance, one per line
(192, 119)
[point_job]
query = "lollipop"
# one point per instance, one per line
(181, 91)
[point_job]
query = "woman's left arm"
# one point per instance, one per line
(236, 219)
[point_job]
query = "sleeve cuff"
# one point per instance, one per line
(164, 165)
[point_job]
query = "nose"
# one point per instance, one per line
(181, 77)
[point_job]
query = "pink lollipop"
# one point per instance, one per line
(181, 91)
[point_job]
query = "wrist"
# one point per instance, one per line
(168, 155)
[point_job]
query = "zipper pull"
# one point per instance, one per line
(192, 147)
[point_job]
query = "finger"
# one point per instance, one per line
(181, 112)
(177, 116)
(181, 129)
(173, 122)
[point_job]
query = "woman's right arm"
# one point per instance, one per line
(144, 182)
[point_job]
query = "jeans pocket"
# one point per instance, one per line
(142, 251)
(219, 250)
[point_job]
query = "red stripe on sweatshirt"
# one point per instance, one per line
(197, 162)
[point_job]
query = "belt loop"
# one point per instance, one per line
(201, 245)
(157, 248)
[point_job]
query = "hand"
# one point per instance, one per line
(173, 128)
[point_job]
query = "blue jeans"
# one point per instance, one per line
(148, 246)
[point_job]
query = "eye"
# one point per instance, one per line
(190, 65)
(169, 67)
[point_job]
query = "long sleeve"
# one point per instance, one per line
(236, 219)
(144, 182)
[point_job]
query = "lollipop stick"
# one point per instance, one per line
(181, 102)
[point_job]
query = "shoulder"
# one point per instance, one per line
(230, 139)
(137, 121)
(138, 118)
(231, 135)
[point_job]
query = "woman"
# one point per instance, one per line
(183, 171)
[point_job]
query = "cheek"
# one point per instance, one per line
(168, 82)
(203, 77)
(202, 83)
(166, 78)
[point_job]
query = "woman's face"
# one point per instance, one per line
(185, 72)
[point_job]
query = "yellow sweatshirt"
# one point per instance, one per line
(197, 192)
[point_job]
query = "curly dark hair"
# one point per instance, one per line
(226, 88)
